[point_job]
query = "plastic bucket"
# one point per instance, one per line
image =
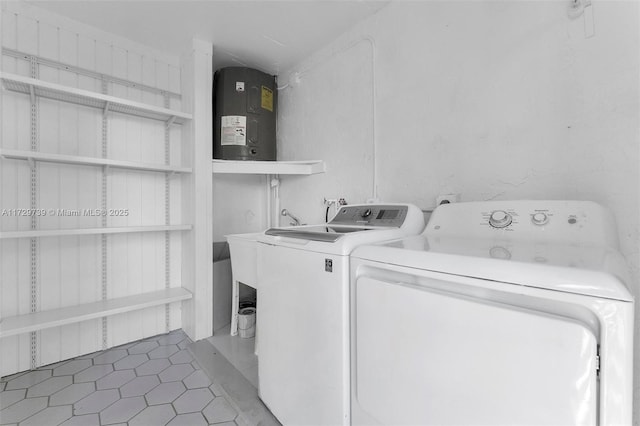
(247, 322)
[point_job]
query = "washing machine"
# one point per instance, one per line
(303, 309)
(500, 313)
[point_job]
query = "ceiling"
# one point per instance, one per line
(271, 35)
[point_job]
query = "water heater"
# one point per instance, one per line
(244, 114)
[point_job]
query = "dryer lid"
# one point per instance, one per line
(588, 270)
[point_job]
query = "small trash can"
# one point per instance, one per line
(247, 322)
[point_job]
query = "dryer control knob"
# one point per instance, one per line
(539, 218)
(500, 219)
(366, 213)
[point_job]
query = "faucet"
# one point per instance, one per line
(296, 221)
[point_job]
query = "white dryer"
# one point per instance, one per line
(303, 275)
(500, 313)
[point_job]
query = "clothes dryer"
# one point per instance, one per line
(500, 313)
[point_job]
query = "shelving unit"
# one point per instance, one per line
(72, 314)
(91, 231)
(106, 104)
(38, 88)
(310, 167)
(89, 161)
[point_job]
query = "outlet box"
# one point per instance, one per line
(447, 198)
(337, 202)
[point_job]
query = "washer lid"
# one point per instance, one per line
(326, 233)
(581, 269)
(341, 244)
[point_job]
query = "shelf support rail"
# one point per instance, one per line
(34, 337)
(103, 220)
(32, 94)
(167, 212)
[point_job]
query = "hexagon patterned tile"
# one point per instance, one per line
(151, 382)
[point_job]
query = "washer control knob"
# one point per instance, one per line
(366, 213)
(539, 218)
(500, 219)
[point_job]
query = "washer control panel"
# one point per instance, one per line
(551, 220)
(371, 215)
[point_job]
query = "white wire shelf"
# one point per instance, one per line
(89, 161)
(90, 231)
(19, 324)
(309, 167)
(106, 103)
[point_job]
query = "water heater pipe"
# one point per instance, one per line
(374, 130)
(275, 185)
(269, 198)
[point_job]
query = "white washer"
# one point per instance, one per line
(303, 289)
(500, 313)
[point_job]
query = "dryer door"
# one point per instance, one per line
(426, 351)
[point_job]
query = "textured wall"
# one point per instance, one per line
(490, 100)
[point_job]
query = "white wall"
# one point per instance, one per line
(69, 268)
(329, 116)
(239, 204)
(490, 100)
(197, 202)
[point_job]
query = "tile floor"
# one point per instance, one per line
(238, 351)
(152, 382)
(234, 366)
(233, 384)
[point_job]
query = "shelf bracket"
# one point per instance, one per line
(170, 121)
(32, 94)
(106, 168)
(32, 162)
(105, 111)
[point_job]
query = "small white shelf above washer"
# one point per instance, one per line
(89, 161)
(10, 326)
(107, 103)
(309, 167)
(90, 231)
